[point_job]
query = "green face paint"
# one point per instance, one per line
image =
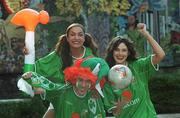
(83, 84)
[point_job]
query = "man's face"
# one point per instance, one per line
(82, 86)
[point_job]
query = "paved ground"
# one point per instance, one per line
(177, 115)
(169, 115)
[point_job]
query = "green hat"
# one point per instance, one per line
(99, 67)
(101, 70)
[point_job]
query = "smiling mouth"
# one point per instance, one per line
(119, 58)
(82, 91)
(75, 42)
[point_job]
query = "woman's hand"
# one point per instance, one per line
(25, 51)
(119, 106)
(141, 28)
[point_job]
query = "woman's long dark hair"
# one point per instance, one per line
(114, 44)
(62, 48)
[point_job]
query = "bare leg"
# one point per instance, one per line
(50, 112)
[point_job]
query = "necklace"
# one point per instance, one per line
(76, 58)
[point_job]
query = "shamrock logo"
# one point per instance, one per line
(92, 105)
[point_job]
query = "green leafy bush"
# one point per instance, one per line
(164, 90)
(22, 108)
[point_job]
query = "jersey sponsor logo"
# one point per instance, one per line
(132, 103)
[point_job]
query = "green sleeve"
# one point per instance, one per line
(144, 68)
(50, 67)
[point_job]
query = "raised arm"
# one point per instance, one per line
(159, 53)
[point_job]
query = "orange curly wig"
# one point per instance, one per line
(72, 73)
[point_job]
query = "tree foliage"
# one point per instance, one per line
(69, 6)
(117, 7)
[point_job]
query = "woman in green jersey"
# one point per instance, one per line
(122, 51)
(73, 45)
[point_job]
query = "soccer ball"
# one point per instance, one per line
(120, 76)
